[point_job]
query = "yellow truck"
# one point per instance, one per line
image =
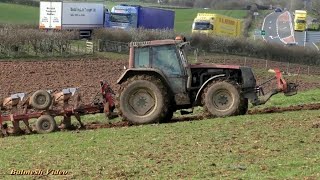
(300, 20)
(216, 24)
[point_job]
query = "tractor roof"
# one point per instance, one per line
(155, 43)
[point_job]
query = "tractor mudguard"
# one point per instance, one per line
(149, 71)
(205, 84)
(248, 79)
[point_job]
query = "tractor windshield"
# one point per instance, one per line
(166, 59)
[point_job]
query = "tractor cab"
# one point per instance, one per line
(166, 59)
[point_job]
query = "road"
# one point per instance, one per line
(279, 29)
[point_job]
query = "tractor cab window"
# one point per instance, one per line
(142, 57)
(166, 59)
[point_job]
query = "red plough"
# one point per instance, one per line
(45, 105)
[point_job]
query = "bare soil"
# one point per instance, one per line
(29, 76)
(98, 125)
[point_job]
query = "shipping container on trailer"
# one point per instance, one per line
(132, 16)
(83, 16)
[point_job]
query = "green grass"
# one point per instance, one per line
(185, 17)
(18, 14)
(273, 146)
(268, 146)
(306, 97)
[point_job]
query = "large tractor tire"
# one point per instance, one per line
(221, 99)
(41, 100)
(142, 100)
(45, 124)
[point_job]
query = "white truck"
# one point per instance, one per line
(83, 16)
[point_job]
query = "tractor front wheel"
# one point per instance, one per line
(221, 99)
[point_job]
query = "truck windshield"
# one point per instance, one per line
(120, 18)
(300, 21)
(202, 26)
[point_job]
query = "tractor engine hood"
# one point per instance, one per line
(248, 78)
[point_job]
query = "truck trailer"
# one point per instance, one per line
(83, 16)
(216, 24)
(134, 16)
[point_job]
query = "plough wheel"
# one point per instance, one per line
(41, 100)
(45, 124)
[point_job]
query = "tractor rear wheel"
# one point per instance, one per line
(143, 99)
(221, 99)
(45, 124)
(41, 100)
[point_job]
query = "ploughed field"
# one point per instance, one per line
(29, 76)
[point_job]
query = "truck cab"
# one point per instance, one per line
(124, 17)
(135, 16)
(203, 23)
(300, 20)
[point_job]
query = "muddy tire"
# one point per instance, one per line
(41, 100)
(142, 100)
(244, 106)
(45, 124)
(221, 99)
